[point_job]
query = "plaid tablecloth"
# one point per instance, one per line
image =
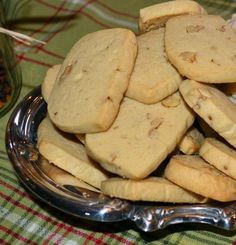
(26, 220)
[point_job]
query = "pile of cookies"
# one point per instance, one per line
(121, 106)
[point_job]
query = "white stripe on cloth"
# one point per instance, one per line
(32, 227)
(105, 16)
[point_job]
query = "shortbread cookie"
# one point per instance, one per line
(62, 177)
(81, 138)
(191, 142)
(154, 189)
(213, 106)
(156, 16)
(49, 81)
(194, 174)
(153, 77)
(92, 80)
(141, 136)
(220, 156)
(202, 48)
(68, 154)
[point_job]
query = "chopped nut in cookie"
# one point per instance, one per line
(221, 28)
(66, 72)
(204, 93)
(156, 123)
(188, 56)
(194, 28)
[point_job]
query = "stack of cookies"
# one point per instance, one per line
(121, 107)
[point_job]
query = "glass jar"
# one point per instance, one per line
(10, 74)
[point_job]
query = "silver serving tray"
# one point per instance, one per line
(21, 146)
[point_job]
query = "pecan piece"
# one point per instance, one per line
(194, 28)
(204, 93)
(65, 73)
(188, 56)
(155, 123)
(221, 28)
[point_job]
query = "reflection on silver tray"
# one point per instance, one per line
(22, 150)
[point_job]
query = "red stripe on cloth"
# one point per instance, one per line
(63, 236)
(48, 20)
(43, 27)
(12, 188)
(121, 239)
(21, 57)
(75, 12)
(65, 9)
(4, 242)
(116, 11)
(100, 240)
(95, 20)
(58, 10)
(68, 229)
(83, 13)
(98, 2)
(16, 236)
(39, 215)
(22, 193)
(46, 218)
(59, 227)
(44, 50)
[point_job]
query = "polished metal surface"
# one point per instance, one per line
(21, 145)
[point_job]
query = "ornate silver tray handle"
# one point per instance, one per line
(155, 218)
(21, 141)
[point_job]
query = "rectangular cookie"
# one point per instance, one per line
(153, 189)
(92, 80)
(68, 154)
(153, 77)
(141, 137)
(155, 16)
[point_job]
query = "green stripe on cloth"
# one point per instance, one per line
(25, 219)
